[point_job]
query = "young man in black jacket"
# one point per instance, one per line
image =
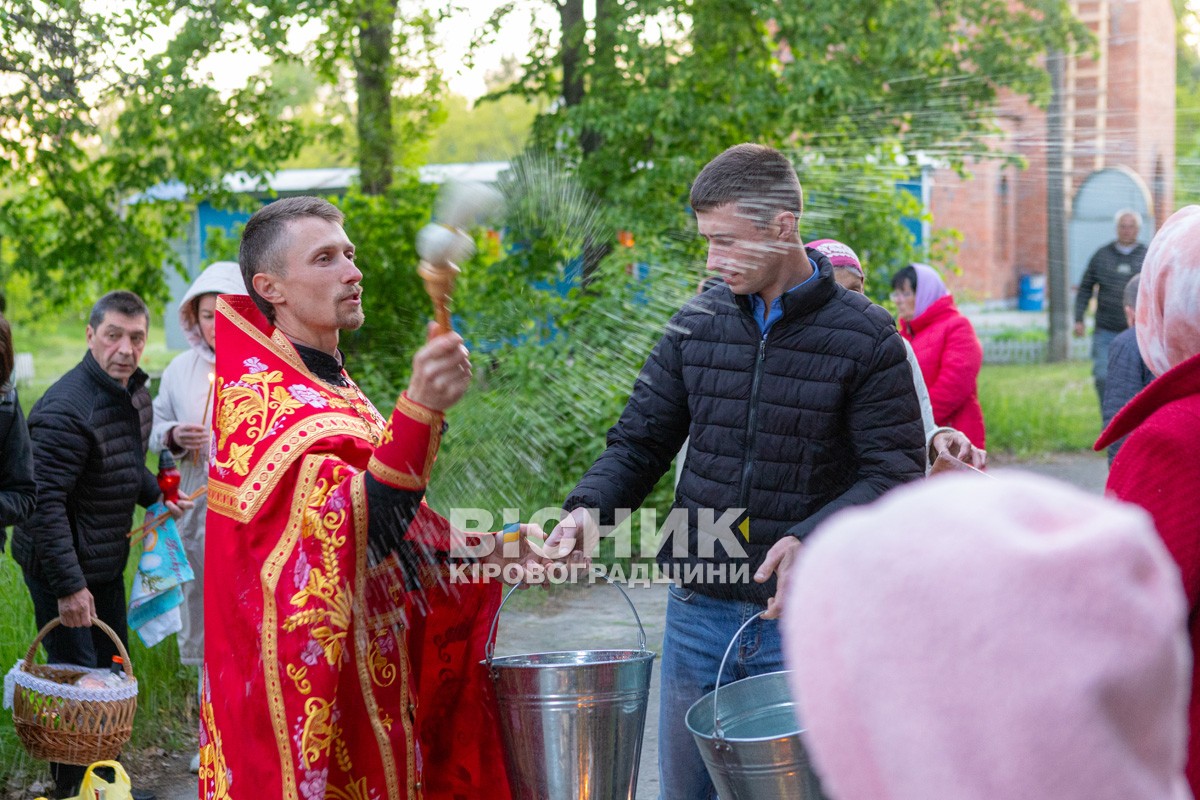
(89, 433)
(798, 400)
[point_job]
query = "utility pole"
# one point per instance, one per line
(1056, 215)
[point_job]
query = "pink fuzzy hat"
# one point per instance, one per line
(1001, 638)
(840, 255)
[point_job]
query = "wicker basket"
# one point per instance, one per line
(69, 724)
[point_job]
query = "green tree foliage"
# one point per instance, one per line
(87, 123)
(1187, 105)
(95, 123)
(383, 54)
(647, 91)
(490, 130)
(653, 89)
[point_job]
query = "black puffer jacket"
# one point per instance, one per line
(89, 436)
(18, 492)
(819, 415)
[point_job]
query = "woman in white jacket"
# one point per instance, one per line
(182, 421)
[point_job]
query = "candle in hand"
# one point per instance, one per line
(208, 398)
(212, 386)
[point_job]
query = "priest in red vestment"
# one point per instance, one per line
(339, 660)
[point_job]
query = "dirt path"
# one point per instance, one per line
(591, 617)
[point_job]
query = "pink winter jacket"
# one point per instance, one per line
(950, 357)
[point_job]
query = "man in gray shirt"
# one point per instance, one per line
(1109, 270)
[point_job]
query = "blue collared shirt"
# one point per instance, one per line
(757, 305)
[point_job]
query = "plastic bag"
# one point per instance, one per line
(93, 787)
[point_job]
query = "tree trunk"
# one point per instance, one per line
(574, 67)
(574, 51)
(373, 68)
(603, 66)
(1056, 216)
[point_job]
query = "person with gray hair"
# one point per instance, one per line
(1109, 269)
(1127, 372)
(89, 431)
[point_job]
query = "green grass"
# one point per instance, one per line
(1032, 409)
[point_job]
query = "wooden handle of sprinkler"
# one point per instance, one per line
(439, 283)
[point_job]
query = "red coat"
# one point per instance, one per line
(1156, 469)
(950, 357)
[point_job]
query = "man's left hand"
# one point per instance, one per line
(521, 548)
(780, 558)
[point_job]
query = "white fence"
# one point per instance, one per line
(1029, 352)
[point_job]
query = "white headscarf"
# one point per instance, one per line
(1168, 307)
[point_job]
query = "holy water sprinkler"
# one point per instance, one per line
(444, 243)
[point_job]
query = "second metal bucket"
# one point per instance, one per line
(572, 721)
(749, 738)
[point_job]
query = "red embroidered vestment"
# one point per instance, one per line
(325, 677)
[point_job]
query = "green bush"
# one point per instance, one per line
(537, 418)
(1018, 335)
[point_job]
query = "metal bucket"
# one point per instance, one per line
(572, 721)
(749, 738)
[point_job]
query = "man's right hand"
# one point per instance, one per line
(441, 371)
(1079, 329)
(77, 610)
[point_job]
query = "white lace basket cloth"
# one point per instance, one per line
(17, 676)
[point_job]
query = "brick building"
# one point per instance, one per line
(1119, 146)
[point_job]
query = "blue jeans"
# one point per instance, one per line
(1101, 339)
(699, 628)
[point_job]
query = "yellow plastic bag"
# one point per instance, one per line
(93, 787)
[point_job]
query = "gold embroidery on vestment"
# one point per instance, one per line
(382, 672)
(299, 676)
(213, 768)
(241, 502)
(329, 616)
(269, 645)
(358, 494)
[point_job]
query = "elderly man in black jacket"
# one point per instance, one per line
(89, 431)
(798, 400)
(1107, 273)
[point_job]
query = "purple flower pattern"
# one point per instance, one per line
(313, 785)
(301, 570)
(308, 395)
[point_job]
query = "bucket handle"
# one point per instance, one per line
(490, 650)
(717, 732)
